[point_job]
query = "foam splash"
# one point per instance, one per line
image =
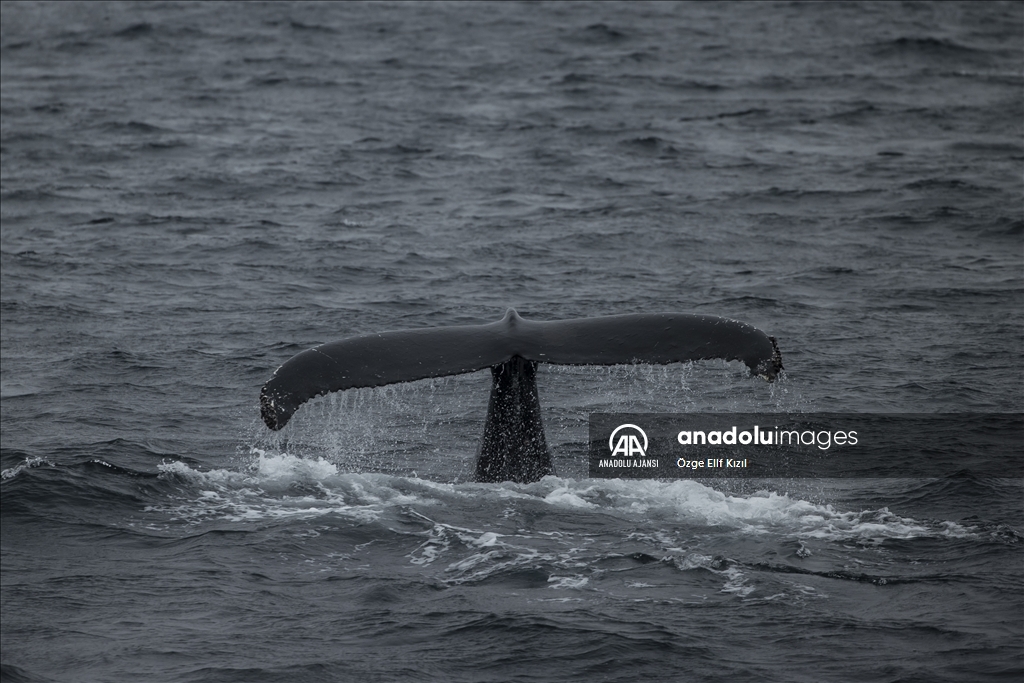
(759, 513)
(571, 582)
(12, 472)
(280, 486)
(284, 485)
(661, 524)
(263, 469)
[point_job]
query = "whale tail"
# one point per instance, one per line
(513, 446)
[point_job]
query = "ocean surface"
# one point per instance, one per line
(194, 192)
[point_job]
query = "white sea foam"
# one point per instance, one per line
(762, 512)
(284, 485)
(572, 582)
(12, 472)
(281, 486)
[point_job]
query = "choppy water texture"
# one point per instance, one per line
(193, 192)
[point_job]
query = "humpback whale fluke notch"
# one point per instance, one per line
(513, 446)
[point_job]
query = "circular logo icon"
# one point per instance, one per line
(628, 442)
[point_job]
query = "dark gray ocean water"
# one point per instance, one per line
(194, 192)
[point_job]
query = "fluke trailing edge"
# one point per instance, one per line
(513, 446)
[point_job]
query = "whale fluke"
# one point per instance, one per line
(513, 446)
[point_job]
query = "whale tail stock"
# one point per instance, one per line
(513, 446)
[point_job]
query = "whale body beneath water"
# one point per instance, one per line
(513, 447)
